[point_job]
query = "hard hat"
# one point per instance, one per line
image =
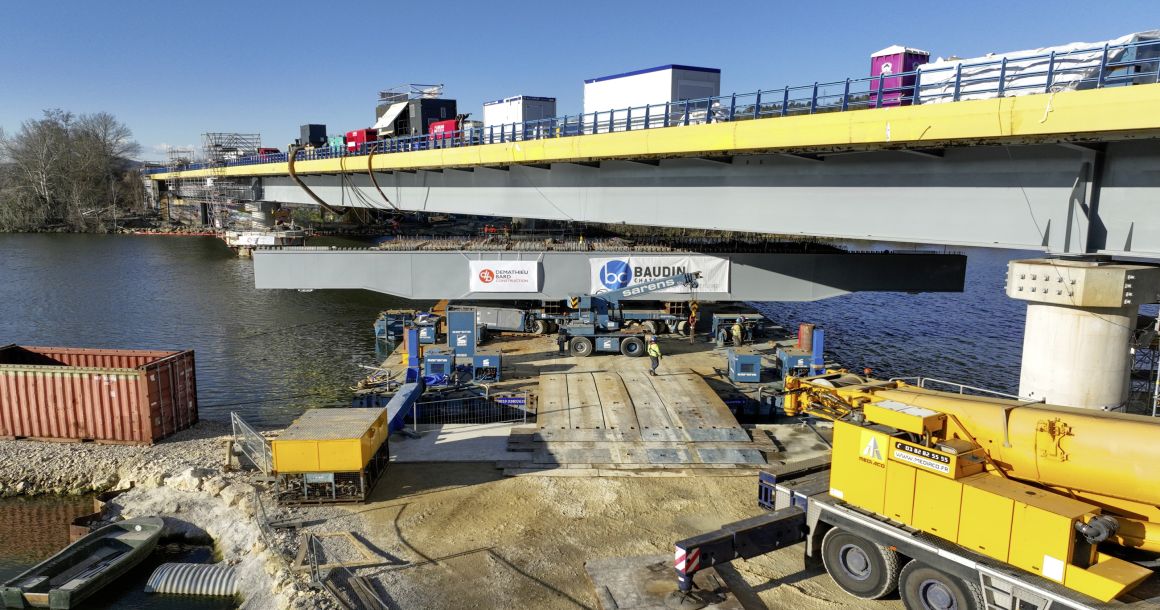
(652, 339)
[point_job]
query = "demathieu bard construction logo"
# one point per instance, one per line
(504, 276)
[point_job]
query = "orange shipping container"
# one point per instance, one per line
(129, 396)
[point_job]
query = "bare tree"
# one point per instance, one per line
(65, 169)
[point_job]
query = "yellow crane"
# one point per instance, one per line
(960, 501)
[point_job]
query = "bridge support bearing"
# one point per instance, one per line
(1081, 317)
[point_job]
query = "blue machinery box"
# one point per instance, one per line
(744, 365)
(485, 366)
(428, 333)
(461, 332)
(438, 361)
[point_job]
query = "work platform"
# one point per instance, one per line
(604, 415)
(609, 420)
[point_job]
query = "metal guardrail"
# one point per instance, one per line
(253, 445)
(472, 410)
(1118, 65)
(962, 388)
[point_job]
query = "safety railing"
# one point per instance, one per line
(252, 444)
(1131, 63)
(507, 408)
(961, 388)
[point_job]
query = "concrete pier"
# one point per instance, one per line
(1081, 317)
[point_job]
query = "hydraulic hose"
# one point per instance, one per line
(297, 180)
(370, 170)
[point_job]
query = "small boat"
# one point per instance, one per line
(84, 567)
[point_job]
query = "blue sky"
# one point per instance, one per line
(173, 70)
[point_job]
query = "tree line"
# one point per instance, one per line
(71, 172)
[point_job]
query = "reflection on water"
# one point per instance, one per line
(31, 529)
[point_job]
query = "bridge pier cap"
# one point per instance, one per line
(1081, 317)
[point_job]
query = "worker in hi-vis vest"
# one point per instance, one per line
(737, 331)
(654, 356)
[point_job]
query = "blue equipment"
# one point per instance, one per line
(744, 365)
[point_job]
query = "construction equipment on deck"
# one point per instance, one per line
(597, 325)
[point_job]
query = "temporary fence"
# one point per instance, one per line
(252, 444)
(506, 408)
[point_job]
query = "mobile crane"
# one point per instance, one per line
(958, 501)
(596, 326)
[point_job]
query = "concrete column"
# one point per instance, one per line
(1081, 316)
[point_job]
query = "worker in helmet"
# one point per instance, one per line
(654, 356)
(737, 330)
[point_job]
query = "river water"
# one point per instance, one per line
(272, 354)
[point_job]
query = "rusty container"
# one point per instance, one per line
(805, 338)
(120, 396)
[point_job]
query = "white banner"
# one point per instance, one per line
(504, 276)
(623, 271)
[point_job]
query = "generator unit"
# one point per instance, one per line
(330, 455)
(438, 365)
(312, 135)
(462, 332)
(485, 366)
(744, 365)
(428, 330)
(794, 361)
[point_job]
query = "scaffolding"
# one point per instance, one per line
(1144, 380)
(226, 147)
(214, 200)
(412, 91)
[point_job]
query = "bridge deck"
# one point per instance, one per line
(1091, 115)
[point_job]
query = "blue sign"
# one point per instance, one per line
(615, 274)
(510, 400)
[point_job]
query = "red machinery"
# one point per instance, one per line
(357, 138)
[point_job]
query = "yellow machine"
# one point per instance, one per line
(1034, 486)
(331, 455)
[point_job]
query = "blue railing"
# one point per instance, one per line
(1086, 68)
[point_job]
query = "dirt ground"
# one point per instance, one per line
(462, 536)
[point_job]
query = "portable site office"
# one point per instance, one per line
(331, 455)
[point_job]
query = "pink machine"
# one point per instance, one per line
(896, 90)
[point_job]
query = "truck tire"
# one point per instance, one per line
(633, 347)
(925, 588)
(540, 327)
(581, 347)
(553, 327)
(682, 327)
(649, 326)
(860, 567)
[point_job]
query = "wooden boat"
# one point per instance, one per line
(84, 567)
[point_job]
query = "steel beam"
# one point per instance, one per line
(1036, 197)
(752, 276)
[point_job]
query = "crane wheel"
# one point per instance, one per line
(581, 347)
(860, 567)
(540, 327)
(649, 326)
(925, 588)
(632, 347)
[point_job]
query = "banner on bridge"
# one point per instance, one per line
(504, 276)
(624, 271)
